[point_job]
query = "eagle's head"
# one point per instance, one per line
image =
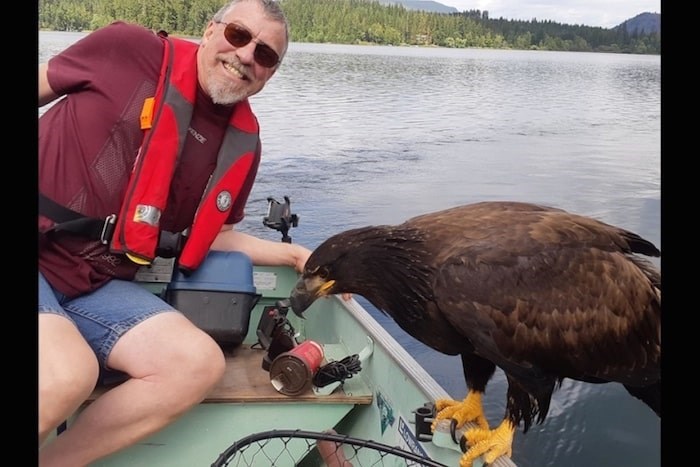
(374, 262)
(330, 268)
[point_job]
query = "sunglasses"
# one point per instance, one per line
(238, 36)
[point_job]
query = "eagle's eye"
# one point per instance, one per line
(323, 272)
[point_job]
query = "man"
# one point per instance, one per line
(150, 131)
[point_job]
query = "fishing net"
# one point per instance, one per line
(298, 448)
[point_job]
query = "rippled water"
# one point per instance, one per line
(364, 135)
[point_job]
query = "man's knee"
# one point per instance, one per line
(203, 355)
(197, 372)
(207, 363)
(180, 355)
(68, 370)
(62, 391)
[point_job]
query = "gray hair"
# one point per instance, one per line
(270, 7)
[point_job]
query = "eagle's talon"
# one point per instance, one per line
(463, 444)
(453, 430)
(488, 444)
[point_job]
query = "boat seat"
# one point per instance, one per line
(245, 381)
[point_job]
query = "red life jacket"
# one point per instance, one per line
(165, 119)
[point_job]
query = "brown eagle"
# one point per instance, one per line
(539, 292)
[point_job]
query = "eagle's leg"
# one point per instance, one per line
(477, 373)
(521, 406)
(468, 410)
(491, 444)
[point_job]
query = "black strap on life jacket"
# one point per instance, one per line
(71, 221)
(170, 244)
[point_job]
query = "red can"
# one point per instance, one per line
(292, 372)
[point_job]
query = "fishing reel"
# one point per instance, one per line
(275, 333)
(280, 217)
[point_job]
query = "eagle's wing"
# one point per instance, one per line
(548, 291)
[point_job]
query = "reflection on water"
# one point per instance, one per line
(367, 135)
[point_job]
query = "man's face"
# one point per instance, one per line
(228, 73)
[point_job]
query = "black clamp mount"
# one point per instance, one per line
(280, 217)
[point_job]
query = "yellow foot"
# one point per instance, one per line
(491, 444)
(468, 410)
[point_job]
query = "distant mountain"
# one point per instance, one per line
(422, 5)
(644, 23)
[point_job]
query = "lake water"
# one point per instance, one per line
(359, 135)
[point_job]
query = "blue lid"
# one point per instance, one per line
(227, 271)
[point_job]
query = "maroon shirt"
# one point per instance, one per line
(88, 141)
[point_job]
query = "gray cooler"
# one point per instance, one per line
(218, 297)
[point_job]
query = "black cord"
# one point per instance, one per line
(337, 371)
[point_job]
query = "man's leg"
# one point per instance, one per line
(172, 365)
(332, 452)
(68, 371)
(68, 368)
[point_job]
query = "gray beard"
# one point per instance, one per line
(224, 93)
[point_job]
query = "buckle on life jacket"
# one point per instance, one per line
(108, 229)
(170, 244)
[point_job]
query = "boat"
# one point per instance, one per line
(264, 413)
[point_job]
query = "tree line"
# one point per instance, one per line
(357, 22)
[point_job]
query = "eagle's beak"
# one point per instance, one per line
(306, 291)
(301, 298)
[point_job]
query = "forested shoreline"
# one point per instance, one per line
(357, 22)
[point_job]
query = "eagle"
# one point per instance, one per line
(539, 292)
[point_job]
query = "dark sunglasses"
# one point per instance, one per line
(238, 36)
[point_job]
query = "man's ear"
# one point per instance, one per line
(208, 32)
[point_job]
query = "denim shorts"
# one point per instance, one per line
(104, 315)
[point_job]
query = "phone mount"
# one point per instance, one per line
(275, 333)
(280, 217)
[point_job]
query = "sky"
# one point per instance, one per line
(603, 13)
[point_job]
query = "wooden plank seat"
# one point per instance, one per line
(245, 381)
